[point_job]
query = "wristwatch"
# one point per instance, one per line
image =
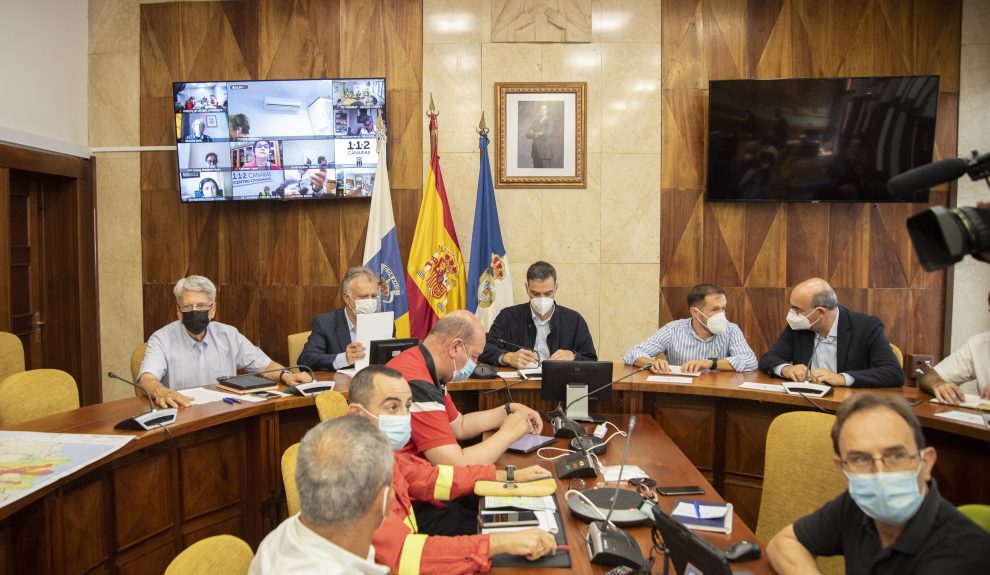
(714, 363)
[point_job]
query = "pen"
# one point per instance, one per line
(231, 400)
(697, 509)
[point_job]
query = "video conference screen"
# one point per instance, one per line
(277, 139)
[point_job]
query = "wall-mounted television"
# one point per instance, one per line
(277, 139)
(817, 139)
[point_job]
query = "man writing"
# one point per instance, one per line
(706, 340)
(538, 330)
(379, 394)
(967, 370)
(828, 344)
(892, 518)
(194, 350)
(332, 344)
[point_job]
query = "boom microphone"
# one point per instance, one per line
(903, 186)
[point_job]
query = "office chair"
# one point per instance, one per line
(36, 393)
(217, 555)
(798, 475)
(296, 343)
(11, 354)
(331, 404)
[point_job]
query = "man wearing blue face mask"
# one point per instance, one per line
(828, 344)
(379, 394)
(892, 518)
(331, 344)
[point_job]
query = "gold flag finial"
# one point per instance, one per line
(482, 126)
(433, 113)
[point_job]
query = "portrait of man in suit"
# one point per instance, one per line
(543, 122)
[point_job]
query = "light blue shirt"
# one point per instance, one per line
(825, 354)
(542, 331)
(180, 362)
(680, 343)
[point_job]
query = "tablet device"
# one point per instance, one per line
(530, 443)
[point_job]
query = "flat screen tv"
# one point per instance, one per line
(277, 139)
(817, 140)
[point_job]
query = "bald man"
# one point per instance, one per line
(826, 343)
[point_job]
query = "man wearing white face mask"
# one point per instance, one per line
(706, 340)
(826, 343)
(892, 518)
(538, 330)
(343, 475)
(331, 344)
(379, 394)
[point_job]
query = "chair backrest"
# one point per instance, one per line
(137, 356)
(36, 393)
(898, 354)
(799, 475)
(296, 343)
(979, 514)
(331, 404)
(289, 460)
(11, 354)
(217, 555)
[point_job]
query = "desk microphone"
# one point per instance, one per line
(564, 426)
(806, 389)
(149, 420)
(611, 545)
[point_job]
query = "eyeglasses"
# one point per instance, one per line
(196, 307)
(897, 460)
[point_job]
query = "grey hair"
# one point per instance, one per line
(343, 465)
(195, 283)
(358, 272)
(825, 298)
(199, 122)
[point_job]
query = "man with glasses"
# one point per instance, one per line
(891, 519)
(332, 345)
(828, 344)
(194, 350)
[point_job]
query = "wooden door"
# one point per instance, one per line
(27, 270)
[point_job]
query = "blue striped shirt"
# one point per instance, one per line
(679, 342)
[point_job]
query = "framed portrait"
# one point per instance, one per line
(541, 135)
(211, 121)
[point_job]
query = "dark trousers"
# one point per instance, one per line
(459, 517)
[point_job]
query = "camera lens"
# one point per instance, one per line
(943, 236)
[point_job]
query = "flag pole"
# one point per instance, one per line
(433, 113)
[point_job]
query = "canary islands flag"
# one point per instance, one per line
(489, 287)
(381, 247)
(436, 266)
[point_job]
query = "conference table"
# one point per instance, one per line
(217, 468)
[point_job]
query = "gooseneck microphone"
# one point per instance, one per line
(611, 545)
(151, 419)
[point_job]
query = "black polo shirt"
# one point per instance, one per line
(938, 539)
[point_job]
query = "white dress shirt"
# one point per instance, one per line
(969, 366)
(181, 362)
(292, 548)
(542, 332)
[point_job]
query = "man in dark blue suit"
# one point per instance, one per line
(826, 343)
(331, 345)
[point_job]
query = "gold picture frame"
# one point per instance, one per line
(541, 134)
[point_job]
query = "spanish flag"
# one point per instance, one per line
(436, 267)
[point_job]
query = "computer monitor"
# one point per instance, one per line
(567, 381)
(684, 547)
(383, 350)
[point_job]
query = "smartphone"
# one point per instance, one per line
(530, 443)
(491, 519)
(681, 490)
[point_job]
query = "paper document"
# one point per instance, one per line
(509, 374)
(669, 379)
(348, 371)
(701, 511)
(964, 417)
(676, 370)
(972, 401)
(611, 472)
(372, 327)
(531, 503)
(762, 386)
(201, 395)
(534, 373)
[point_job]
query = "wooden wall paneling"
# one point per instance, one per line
(682, 65)
(848, 241)
(946, 129)
(683, 129)
(360, 27)
(404, 114)
(894, 304)
(402, 31)
(762, 318)
(240, 46)
(724, 30)
(215, 465)
(764, 257)
(142, 481)
(857, 299)
(760, 20)
(84, 532)
(5, 323)
(894, 37)
(154, 560)
(691, 424)
(673, 303)
(938, 28)
(724, 243)
(927, 308)
(851, 45)
(282, 313)
(681, 237)
(776, 55)
(887, 247)
(807, 253)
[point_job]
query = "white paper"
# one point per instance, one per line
(348, 371)
(372, 327)
(611, 472)
(763, 386)
(202, 395)
(509, 374)
(669, 379)
(531, 503)
(534, 373)
(676, 369)
(972, 401)
(685, 509)
(963, 416)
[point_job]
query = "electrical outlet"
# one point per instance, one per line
(916, 361)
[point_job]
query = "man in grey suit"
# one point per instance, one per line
(331, 345)
(540, 132)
